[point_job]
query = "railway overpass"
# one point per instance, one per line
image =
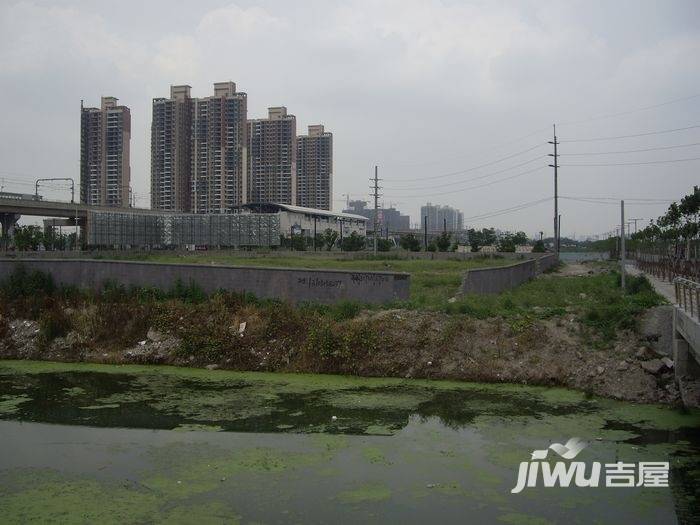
(14, 206)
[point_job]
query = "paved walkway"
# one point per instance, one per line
(663, 288)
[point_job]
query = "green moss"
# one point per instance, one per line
(74, 391)
(369, 492)
(375, 455)
(10, 404)
(522, 519)
(46, 497)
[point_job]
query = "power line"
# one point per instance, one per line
(473, 168)
(470, 179)
(660, 132)
(610, 203)
(481, 150)
(634, 163)
(618, 199)
(629, 150)
(629, 112)
(468, 187)
(505, 211)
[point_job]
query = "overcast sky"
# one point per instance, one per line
(421, 88)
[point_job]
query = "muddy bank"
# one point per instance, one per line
(393, 343)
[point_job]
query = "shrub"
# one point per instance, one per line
(53, 323)
(410, 242)
(384, 245)
(443, 242)
(189, 293)
(353, 243)
(23, 283)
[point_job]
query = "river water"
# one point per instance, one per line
(132, 444)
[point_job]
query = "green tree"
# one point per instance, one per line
(506, 243)
(538, 247)
(297, 242)
(410, 242)
(443, 241)
(520, 239)
(329, 238)
(353, 243)
(384, 245)
(479, 238)
(28, 237)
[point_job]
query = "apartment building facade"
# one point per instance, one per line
(272, 153)
(199, 150)
(105, 171)
(439, 217)
(315, 169)
(171, 151)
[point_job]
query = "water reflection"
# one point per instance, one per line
(383, 450)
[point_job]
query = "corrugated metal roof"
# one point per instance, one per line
(311, 211)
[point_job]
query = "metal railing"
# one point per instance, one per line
(666, 268)
(688, 295)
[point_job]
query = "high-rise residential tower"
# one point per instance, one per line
(315, 169)
(219, 150)
(272, 152)
(440, 217)
(105, 173)
(171, 151)
(199, 150)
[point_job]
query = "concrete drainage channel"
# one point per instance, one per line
(294, 285)
(291, 284)
(502, 278)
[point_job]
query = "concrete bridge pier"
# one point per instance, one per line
(8, 221)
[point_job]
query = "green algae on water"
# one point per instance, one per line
(369, 492)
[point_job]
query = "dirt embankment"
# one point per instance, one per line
(392, 343)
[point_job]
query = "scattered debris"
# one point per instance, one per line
(653, 366)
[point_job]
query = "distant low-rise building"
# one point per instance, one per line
(523, 248)
(299, 220)
(488, 249)
(390, 218)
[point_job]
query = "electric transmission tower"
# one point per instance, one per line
(375, 194)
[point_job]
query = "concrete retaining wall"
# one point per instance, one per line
(502, 278)
(262, 252)
(295, 285)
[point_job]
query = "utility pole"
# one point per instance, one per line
(375, 193)
(622, 243)
(425, 233)
(556, 189)
(635, 223)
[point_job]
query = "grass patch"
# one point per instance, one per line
(596, 300)
(433, 282)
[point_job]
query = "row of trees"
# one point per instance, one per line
(327, 240)
(32, 238)
(506, 242)
(677, 227)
